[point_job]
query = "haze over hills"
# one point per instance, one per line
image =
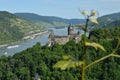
(51, 20)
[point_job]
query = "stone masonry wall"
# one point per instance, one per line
(62, 40)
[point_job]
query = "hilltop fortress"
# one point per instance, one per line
(53, 39)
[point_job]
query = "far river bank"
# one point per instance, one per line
(26, 38)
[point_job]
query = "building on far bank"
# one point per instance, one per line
(53, 39)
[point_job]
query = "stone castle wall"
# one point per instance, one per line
(61, 40)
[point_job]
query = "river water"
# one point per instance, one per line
(43, 40)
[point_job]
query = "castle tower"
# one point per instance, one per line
(51, 39)
(70, 30)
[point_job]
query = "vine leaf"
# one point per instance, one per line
(95, 45)
(67, 63)
(94, 20)
(67, 57)
(62, 64)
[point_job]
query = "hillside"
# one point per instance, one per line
(115, 23)
(105, 21)
(48, 20)
(13, 28)
(105, 33)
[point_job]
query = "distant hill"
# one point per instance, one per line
(104, 21)
(13, 28)
(107, 20)
(50, 20)
(114, 24)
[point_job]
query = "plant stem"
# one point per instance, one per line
(83, 72)
(84, 53)
(96, 61)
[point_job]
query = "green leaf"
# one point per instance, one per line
(66, 57)
(95, 45)
(94, 20)
(79, 63)
(74, 64)
(62, 64)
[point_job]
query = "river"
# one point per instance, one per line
(43, 40)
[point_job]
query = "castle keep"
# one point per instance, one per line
(53, 39)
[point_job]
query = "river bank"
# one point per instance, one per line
(3, 45)
(26, 38)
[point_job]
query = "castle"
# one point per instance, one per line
(53, 39)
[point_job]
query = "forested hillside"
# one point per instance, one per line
(105, 33)
(115, 23)
(110, 20)
(48, 20)
(107, 20)
(40, 59)
(13, 28)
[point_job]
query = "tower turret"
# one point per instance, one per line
(51, 39)
(70, 30)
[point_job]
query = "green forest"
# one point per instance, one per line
(40, 59)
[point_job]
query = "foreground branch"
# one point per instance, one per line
(105, 57)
